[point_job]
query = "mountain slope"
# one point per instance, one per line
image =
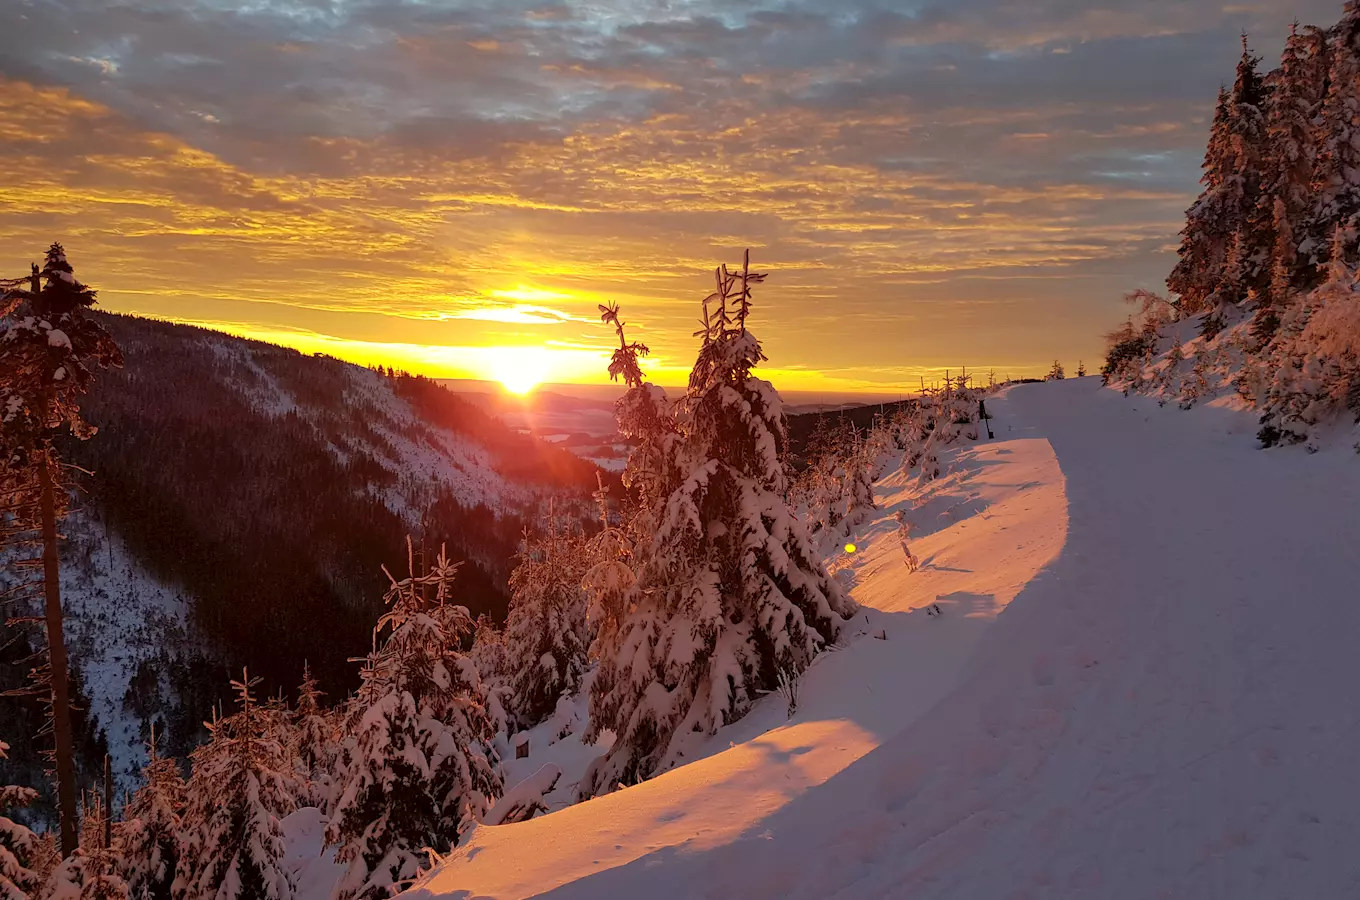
(1162, 709)
(258, 492)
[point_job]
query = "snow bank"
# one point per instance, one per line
(983, 531)
(1164, 709)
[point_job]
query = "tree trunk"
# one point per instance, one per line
(108, 803)
(56, 653)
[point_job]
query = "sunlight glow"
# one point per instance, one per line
(520, 369)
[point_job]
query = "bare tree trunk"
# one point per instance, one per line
(108, 803)
(56, 649)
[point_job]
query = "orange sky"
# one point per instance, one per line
(421, 186)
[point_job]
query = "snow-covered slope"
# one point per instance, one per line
(1140, 686)
(244, 498)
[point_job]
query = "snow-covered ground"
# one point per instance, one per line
(1142, 685)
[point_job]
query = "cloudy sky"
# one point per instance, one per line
(420, 182)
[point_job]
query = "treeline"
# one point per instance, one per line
(1268, 254)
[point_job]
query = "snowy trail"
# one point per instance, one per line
(982, 532)
(1167, 710)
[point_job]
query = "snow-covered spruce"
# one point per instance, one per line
(489, 655)
(18, 845)
(841, 489)
(231, 846)
(545, 631)
(311, 743)
(149, 834)
(730, 592)
(418, 765)
(608, 579)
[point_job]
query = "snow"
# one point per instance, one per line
(1140, 686)
(58, 338)
(117, 615)
(526, 796)
(309, 861)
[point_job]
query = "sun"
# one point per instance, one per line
(520, 369)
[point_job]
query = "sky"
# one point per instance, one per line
(452, 187)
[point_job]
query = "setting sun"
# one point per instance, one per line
(520, 369)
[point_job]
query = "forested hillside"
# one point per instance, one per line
(239, 504)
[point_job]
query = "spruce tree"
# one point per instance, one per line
(18, 845)
(231, 846)
(152, 822)
(545, 631)
(1248, 269)
(1298, 88)
(730, 594)
(646, 418)
(608, 578)
(1207, 233)
(1336, 175)
(489, 655)
(312, 743)
(419, 767)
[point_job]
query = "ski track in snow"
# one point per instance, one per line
(1166, 708)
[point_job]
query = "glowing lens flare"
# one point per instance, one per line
(850, 548)
(520, 369)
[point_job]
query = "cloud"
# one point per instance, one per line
(925, 180)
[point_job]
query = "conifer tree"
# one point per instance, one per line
(489, 655)
(608, 578)
(18, 845)
(1336, 175)
(1226, 232)
(646, 418)
(730, 594)
(1056, 373)
(95, 871)
(150, 834)
(1298, 88)
(1207, 233)
(545, 631)
(1248, 264)
(232, 846)
(48, 346)
(312, 742)
(419, 766)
